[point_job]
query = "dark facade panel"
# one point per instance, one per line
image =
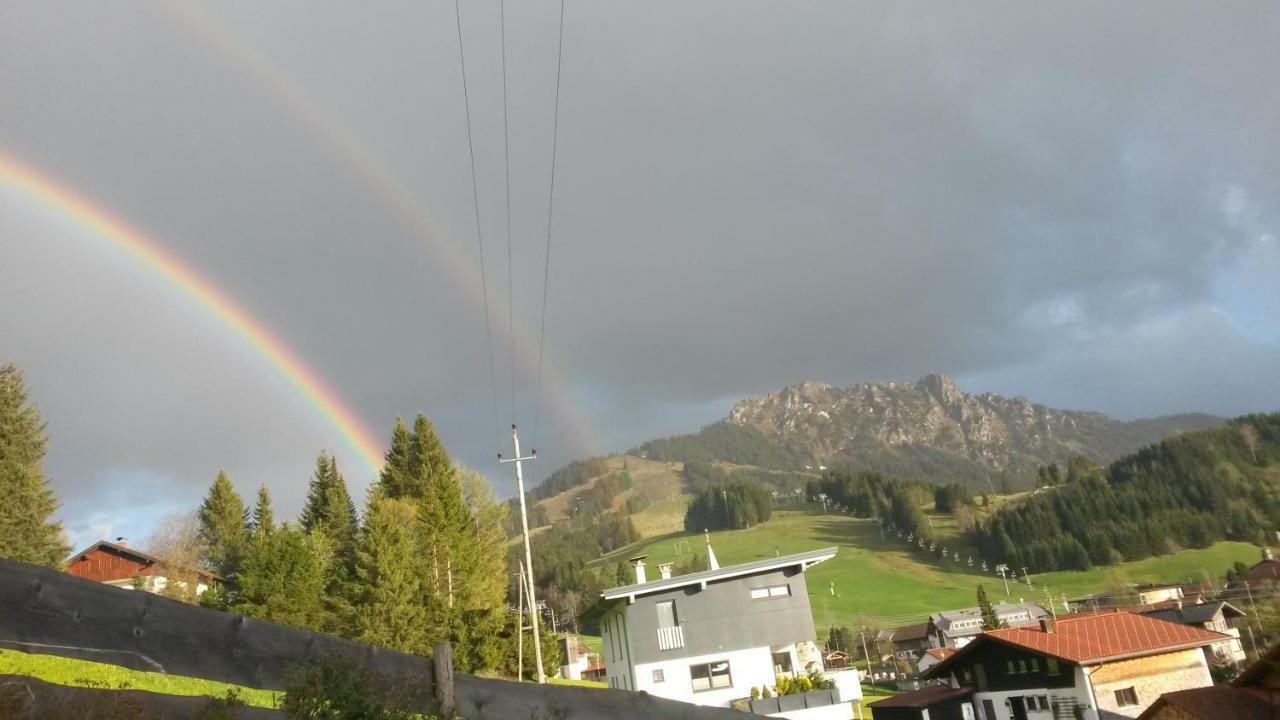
(724, 616)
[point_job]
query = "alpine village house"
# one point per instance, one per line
(711, 637)
(1098, 666)
(115, 563)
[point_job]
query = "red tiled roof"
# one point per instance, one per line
(924, 697)
(1091, 638)
(1217, 702)
(941, 653)
(1095, 637)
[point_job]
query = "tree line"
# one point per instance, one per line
(424, 562)
(1189, 490)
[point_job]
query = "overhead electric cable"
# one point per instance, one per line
(506, 156)
(551, 197)
(475, 196)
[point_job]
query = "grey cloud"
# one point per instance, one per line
(1064, 201)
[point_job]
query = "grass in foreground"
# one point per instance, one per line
(882, 581)
(83, 673)
(576, 683)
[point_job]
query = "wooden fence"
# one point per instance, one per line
(47, 612)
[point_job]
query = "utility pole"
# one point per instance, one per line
(528, 555)
(865, 654)
(1002, 569)
(520, 628)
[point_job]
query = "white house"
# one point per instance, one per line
(710, 637)
(1103, 666)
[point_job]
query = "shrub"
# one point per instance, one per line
(338, 689)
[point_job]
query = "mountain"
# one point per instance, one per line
(929, 428)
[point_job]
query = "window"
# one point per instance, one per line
(667, 614)
(781, 662)
(761, 593)
(710, 676)
(1035, 665)
(658, 676)
(1037, 702)
(1022, 666)
(1051, 665)
(1011, 669)
(1127, 696)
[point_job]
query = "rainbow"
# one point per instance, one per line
(384, 185)
(150, 254)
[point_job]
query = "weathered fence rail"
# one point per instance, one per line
(49, 608)
(48, 612)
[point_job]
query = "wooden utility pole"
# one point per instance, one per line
(520, 627)
(528, 555)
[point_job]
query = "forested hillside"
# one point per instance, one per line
(1186, 491)
(724, 442)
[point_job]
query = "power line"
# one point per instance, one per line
(506, 157)
(475, 196)
(551, 198)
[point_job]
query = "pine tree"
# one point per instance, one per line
(990, 621)
(387, 604)
(283, 578)
(264, 522)
(26, 498)
(224, 524)
(329, 509)
(480, 576)
(396, 468)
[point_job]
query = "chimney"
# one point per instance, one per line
(122, 541)
(1046, 625)
(665, 570)
(638, 564)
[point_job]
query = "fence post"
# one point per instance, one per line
(442, 660)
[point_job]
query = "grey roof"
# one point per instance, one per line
(1195, 614)
(946, 619)
(804, 560)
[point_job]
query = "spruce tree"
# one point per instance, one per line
(396, 468)
(329, 509)
(990, 621)
(264, 522)
(480, 576)
(224, 522)
(283, 578)
(26, 498)
(387, 606)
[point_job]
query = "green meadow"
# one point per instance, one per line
(84, 673)
(882, 582)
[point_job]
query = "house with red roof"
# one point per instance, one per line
(115, 563)
(1101, 666)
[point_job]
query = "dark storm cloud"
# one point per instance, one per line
(1074, 202)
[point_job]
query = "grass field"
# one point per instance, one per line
(875, 581)
(83, 673)
(871, 694)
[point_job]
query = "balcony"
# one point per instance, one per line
(671, 638)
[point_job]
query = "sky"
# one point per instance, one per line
(1075, 202)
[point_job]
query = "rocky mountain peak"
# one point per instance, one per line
(942, 387)
(933, 423)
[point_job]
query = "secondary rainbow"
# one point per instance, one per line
(149, 253)
(577, 430)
